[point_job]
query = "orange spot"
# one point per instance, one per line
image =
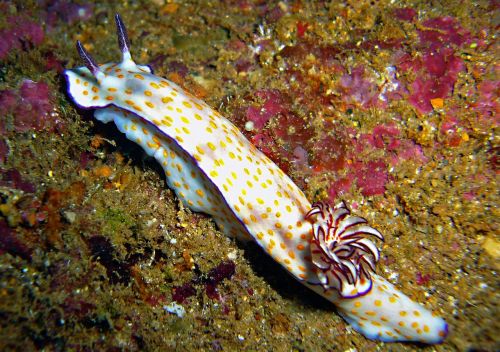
(300, 247)
(138, 76)
(437, 103)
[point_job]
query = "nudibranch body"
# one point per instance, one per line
(214, 169)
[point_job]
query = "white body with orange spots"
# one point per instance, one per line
(214, 169)
(386, 314)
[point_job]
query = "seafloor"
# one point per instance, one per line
(390, 106)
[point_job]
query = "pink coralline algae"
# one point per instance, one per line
(487, 105)
(358, 89)
(387, 137)
(370, 176)
(30, 107)
(271, 106)
(442, 31)
(68, 11)
(437, 73)
(438, 66)
(19, 33)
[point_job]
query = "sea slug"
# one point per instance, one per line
(214, 169)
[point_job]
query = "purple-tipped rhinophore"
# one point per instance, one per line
(87, 59)
(123, 40)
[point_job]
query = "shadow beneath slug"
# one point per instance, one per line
(117, 141)
(281, 280)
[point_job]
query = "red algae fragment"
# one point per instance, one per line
(215, 276)
(12, 178)
(405, 13)
(118, 272)
(10, 243)
(224, 270)
(4, 150)
(301, 28)
(182, 293)
(422, 279)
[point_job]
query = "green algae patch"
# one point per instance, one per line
(115, 221)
